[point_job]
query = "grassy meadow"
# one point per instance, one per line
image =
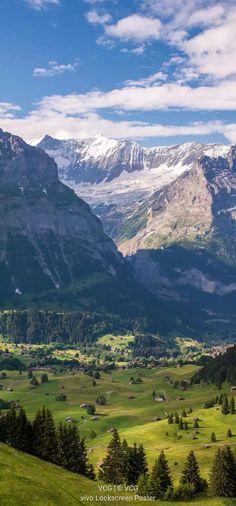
(133, 417)
(26, 480)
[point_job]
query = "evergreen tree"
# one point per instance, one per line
(23, 439)
(185, 425)
(176, 418)
(213, 437)
(160, 478)
(223, 474)
(143, 485)
(191, 474)
(196, 425)
(111, 470)
(170, 419)
(11, 425)
(232, 406)
(229, 433)
(225, 406)
(181, 425)
(3, 429)
(184, 414)
(44, 433)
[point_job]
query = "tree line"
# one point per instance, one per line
(125, 464)
(62, 446)
(44, 327)
(219, 369)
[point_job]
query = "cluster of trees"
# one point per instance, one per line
(227, 406)
(62, 446)
(148, 345)
(177, 419)
(219, 369)
(128, 464)
(45, 326)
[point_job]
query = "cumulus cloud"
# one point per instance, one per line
(147, 81)
(54, 68)
(135, 28)
(64, 126)
(38, 5)
(161, 96)
(7, 110)
(213, 51)
(98, 19)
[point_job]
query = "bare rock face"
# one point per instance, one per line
(196, 207)
(117, 176)
(49, 237)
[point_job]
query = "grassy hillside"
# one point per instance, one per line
(132, 417)
(26, 480)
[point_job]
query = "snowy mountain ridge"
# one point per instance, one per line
(115, 175)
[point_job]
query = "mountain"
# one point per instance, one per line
(182, 243)
(52, 247)
(116, 176)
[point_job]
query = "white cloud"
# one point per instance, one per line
(7, 110)
(38, 5)
(98, 19)
(147, 81)
(213, 52)
(135, 28)
(54, 68)
(162, 96)
(37, 123)
(211, 16)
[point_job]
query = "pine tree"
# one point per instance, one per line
(229, 433)
(160, 478)
(184, 414)
(111, 470)
(196, 425)
(181, 425)
(142, 461)
(232, 406)
(223, 474)
(170, 419)
(143, 485)
(176, 418)
(11, 425)
(44, 433)
(3, 429)
(191, 474)
(132, 467)
(225, 406)
(213, 437)
(23, 439)
(185, 425)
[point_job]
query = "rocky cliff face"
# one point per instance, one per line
(182, 244)
(116, 177)
(49, 237)
(195, 209)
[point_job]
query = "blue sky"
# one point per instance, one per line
(157, 71)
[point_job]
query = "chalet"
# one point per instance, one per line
(84, 405)
(111, 429)
(157, 419)
(94, 418)
(180, 398)
(233, 389)
(131, 397)
(159, 399)
(10, 389)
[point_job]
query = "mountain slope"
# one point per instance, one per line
(182, 244)
(50, 241)
(115, 176)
